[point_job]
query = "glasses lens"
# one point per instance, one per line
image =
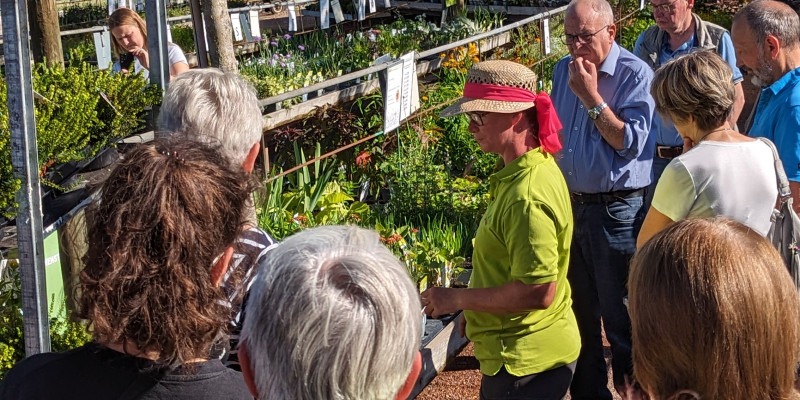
(475, 118)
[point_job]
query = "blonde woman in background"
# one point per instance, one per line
(129, 36)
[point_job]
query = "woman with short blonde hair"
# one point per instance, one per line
(714, 314)
(721, 172)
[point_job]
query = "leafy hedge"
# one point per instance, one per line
(73, 120)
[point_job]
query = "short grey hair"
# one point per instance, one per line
(771, 18)
(601, 7)
(218, 107)
(698, 84)
(332, 314)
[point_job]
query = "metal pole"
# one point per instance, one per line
(25, 162)
(199, 33)
(157, 47)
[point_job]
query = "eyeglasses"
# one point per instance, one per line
(666, 8)
(581, 38)
(476, 117)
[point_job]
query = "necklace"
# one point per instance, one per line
(714, 131)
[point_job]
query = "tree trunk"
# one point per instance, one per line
(45, 32)
(220, 35)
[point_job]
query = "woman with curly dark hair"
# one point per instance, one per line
(160, 241)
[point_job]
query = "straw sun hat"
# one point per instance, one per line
(495, 76)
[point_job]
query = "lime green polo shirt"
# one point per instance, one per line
(525, 236)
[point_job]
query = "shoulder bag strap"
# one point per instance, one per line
(783, 183)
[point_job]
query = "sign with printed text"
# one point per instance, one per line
(338, 16)
(410, 90)
(236, 23)
(324, 16)
(292, 18)
(255, 24)
(102, 46)
(546, 35)
(372, 7)
(392, 96)
(362, 9)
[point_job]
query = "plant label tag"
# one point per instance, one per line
(169, 33)
(337, 11)
(392, 96)
(387, 4)
(642, 4)
(362, 9)
(105, 97)
(237, 27)
(324, 16)
(410, 91)
(244, 18)
(546, 35)
(292, 18)
(372, 7)
(255, 26)
(102, 47)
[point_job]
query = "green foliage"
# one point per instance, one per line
(64, 334)
(73, 121)
(82, 15)
(183, 36)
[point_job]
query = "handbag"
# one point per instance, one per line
(785, 230)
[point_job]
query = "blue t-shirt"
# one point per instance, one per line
(664, 131)
(778, 119)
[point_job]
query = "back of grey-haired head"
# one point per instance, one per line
(601, 7)
(332, 314)
(771, 18)
(216, 107)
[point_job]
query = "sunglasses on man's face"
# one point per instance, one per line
(476, 117)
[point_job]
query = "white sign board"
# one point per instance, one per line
(324, 16)
(642, 4)
(546, 35)
(292, 18)
(372, 7)
(362, 9)
(255, 28)
(337, 11)
(237, 27)
(392, 96)
(409, 101)
(102, 46)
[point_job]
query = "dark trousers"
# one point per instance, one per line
(603, 243)
(548, 385)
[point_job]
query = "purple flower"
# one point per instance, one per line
(287, 36)
(283, 64)
(301, 47)
(274, 43)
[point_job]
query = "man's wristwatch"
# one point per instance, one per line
(595, 111)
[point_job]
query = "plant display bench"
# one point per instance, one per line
(441, 342)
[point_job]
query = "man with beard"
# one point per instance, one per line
(766, 35)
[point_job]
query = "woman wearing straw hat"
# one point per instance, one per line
(518, 309)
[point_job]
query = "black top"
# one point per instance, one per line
(95, 372)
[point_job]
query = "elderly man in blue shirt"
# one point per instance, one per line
(679, 31)
(601, 93)
(766, 35)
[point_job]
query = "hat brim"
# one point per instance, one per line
(466, 104)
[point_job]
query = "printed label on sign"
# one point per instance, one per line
(237, 27)
(324, 16)
(292, 18)
(362, 9)
(546, 35)
(255, 26)
(338, 16)
(392, 96)
(372, 7)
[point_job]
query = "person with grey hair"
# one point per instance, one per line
(333, 315)
(766, 35)
(601, 94)
(678, 31)
(695, 92)
(221, 108)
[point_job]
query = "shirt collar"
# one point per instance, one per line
(527, 160)
(689, 44)
(609, 65)
(787, 78)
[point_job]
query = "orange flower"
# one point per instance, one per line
(363, 158)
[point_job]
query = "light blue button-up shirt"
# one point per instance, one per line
(589, 163)
(664, 131)
(778, 119)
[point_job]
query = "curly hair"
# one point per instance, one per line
(165, 213)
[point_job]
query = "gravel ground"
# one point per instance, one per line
(461, 379)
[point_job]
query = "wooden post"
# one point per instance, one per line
(45, 32)
(220, 36)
